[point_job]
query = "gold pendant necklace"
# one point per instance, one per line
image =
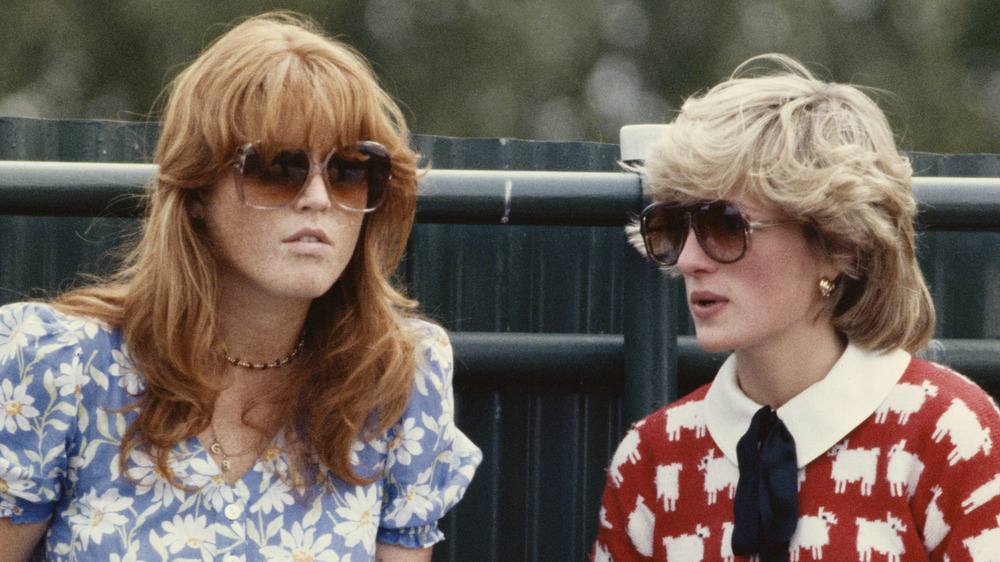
(216, 449)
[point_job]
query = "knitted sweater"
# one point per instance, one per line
(895, 455)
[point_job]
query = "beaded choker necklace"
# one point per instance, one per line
(237, 362)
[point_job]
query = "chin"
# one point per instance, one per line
(714, 344)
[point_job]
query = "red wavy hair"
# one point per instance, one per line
(355, 376)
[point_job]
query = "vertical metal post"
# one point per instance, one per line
(650, 333)
(649, 311)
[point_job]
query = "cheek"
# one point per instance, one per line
(788, 280)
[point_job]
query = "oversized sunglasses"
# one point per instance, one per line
(357, 177)
(722, 230)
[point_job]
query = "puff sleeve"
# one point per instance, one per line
(429, 461)
(43, 366)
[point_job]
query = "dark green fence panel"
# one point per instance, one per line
(545, 445)
(547, 407)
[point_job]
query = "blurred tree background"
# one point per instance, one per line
(534, 69)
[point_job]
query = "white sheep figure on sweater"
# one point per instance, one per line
(880, 536)
(720, 474)
(983, 547)
(726, 551)
(904, 470)
(962, 426)
(906, 399)
(628, 451)
(640, 527)
(982, 494)
(668, 484)
(686, 416)
(935, 527)
(812, 532)
(853, 465)
(687, 547)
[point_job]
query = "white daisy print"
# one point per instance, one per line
(406, 443)
(72, 380)
(97, 516)
(121, 370)
(189, 532)
(77, 331)
(149, 477)
(415, 502)
(275, 498)
(14, 331)
(300, 545)
(15, 407)
(18, 487)
(360, 518)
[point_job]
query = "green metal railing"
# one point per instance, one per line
(645, 359)
(459, 196)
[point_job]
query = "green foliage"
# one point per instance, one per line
(538, 69)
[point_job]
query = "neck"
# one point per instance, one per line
(260, 330)
(773, 373)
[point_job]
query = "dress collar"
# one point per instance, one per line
(818, 417)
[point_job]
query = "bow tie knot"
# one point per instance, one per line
(766, 502)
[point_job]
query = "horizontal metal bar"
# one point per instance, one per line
(483, 358)
(445, 196)
(502, 359)
(958, 204)
(544, 198)
(459, 196)
(72, 189)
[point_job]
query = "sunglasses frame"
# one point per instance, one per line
(691, 222)
(370, 148)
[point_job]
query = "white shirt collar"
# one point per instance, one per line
(818, 417)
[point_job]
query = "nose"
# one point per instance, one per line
(315, 195)
(693, 258)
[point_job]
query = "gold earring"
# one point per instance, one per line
(826, 287)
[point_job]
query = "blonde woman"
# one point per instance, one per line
(785, 205)
(250, 385)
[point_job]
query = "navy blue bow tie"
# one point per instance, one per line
(766, 503)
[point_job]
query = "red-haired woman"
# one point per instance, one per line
(250, 385)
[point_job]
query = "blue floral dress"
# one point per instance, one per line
(62, 379)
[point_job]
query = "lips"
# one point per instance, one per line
(308, 236)
(705, 304)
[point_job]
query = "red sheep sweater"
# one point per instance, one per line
(896, 462)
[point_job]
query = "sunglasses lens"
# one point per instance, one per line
(275, 182)
(721, 231)
(360, 177)
(664, 230)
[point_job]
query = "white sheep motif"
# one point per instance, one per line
(982, 494)
(967, 435)
(813, 533)
(687, 547)
(640, 527)
(904, 470)
(935, 527)
(668, 484)
(905, 399)
(720, 474)
(686, 416)
(602, 516)
(983, 547)
(628, 451)
(726, 551)
(880, 536)
(853, 465)
(601, 554)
